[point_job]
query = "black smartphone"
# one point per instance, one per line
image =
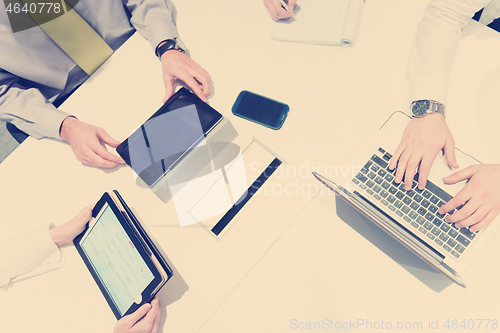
(261, 110)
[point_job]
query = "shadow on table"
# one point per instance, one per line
(217, 152)
(391, 247)
(175, 288)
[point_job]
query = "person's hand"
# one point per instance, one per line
(65, 233)
(480, 197)
(135, 323)
(422, 140)
(178, 65)
(86, 141)
(277, 11)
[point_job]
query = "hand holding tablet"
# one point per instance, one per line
(144, 320)
(64, 234)
(124, 262)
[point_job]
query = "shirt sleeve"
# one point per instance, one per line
(153, 19)
(435, 45)
(28, 109)
(29, 254)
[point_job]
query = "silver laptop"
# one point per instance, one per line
(411, 217)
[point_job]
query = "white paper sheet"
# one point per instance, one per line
(327, 22)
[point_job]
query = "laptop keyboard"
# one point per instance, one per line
(418, 210)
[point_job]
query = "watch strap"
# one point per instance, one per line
(169, 44)
(436, 107)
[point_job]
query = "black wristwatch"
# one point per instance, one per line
(170, 44)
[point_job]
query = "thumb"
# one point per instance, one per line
(169, 90)
(104, 136)
(460, 175)
(131, 319)
(449, 153)
(86, 213)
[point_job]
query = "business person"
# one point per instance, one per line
(276, 10)
(36, 252)
(35, 73)
(431, 61)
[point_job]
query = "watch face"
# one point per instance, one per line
(171, 44)
(420, 108)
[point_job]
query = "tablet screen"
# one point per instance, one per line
(116, 260)
(164, 139)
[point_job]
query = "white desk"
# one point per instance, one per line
(333, 93)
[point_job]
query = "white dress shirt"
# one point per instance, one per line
(28, 254)
(34, 71)
(435, 45)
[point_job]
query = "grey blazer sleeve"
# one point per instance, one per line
(154, 19)
(28, 109)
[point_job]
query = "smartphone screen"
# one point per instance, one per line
(260, 109)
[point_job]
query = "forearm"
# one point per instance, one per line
(58, 236)
(153, 19)
(24, 253)
(435, 45)
(28, 109)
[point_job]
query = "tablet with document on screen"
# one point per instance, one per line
(123, 260)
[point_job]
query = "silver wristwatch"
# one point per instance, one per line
(423, 107)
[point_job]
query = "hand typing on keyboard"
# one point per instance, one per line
(422, 140)
(480, 197)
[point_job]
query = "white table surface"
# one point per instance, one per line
(288, 257)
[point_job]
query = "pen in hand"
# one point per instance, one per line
(285, 5)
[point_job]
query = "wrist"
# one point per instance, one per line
(169, 52)
(424, 107)
(433, 115)
(66, 126)
(169, 44)
(57, 236)
(431, 118)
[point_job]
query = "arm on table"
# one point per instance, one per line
(431, 60)
(30, 111)
(154, 21)
(24, 253)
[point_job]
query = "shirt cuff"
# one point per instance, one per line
(50, 124)
(29, 254)
(32, 113)
(160, 30)
(429, 86)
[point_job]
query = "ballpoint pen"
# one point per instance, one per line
(285, 5)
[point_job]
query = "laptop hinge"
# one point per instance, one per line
(393, 228)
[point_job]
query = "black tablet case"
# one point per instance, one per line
(141, 235)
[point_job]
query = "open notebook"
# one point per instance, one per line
(327, 22)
